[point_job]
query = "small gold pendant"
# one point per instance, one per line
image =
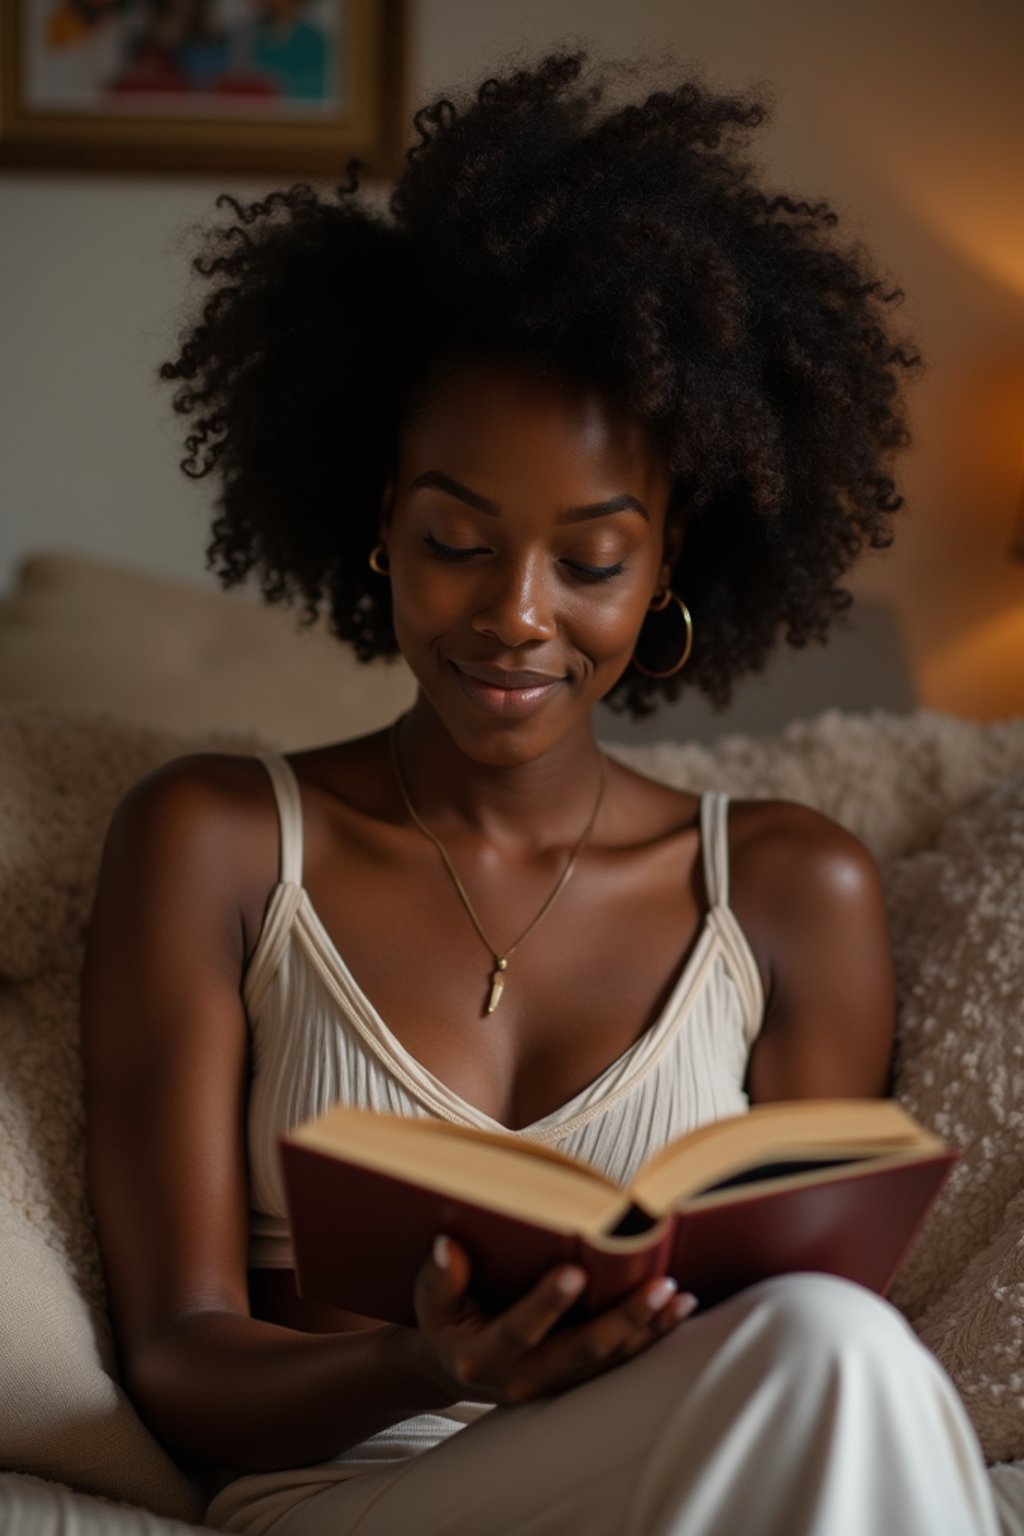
(497, 985)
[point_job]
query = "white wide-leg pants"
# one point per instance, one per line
(805, 1406)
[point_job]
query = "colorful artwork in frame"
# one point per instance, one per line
(292, 87)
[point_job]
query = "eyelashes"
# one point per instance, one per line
(596, 572)
(455, 553)
(449, 551)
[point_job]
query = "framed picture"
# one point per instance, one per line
(281, 87)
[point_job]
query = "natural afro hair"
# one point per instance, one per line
(630, 245)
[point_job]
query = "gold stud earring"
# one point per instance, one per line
(659, 602)
(378, 561)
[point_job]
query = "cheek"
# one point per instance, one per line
(606, 621)
(598, 635)
(426, 603)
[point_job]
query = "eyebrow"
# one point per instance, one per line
(434, 479)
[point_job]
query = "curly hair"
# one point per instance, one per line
(630, 245)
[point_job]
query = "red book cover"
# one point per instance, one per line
(360, 1235)
(859, 1226)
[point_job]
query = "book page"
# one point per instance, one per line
(811, 1130)
(497, 1170)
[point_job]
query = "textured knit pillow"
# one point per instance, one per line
(957, 917)
(891, 779)
(62, 1413)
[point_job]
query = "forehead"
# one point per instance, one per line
(507, 421)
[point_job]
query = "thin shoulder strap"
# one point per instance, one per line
(714, 837)
(289, 814)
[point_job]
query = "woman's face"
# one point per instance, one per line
(526, 531)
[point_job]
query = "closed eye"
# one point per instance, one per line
(596, 572)
(460, 552)
(451, 551)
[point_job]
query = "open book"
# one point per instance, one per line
(837, 1185)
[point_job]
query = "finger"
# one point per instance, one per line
(675, 1311)
(663, 1321)
(625, 1329)
(514, 1333)
(665, 1310)
(578, 1354)
(624, 1325)
(439, 1292)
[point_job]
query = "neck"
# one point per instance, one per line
(540, 802)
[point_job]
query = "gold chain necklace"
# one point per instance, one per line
(500, 958)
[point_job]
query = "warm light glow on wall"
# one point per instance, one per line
(944, 136)
(980, 673)
(981, 224)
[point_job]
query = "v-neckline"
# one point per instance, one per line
(387, 1044)
(290, 899)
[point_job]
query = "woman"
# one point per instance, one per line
(587, 420)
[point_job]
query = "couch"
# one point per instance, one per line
(104, 673)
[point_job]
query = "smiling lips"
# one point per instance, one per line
(500, 691)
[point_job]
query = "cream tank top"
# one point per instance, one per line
(316, 1040)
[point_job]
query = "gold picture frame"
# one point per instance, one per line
(124, 85)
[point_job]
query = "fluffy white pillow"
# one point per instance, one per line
(62, 1414)
(957, 917)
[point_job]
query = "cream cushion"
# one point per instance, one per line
(899, 781)
(62, 1412)
(80, 630)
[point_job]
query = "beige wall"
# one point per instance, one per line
(907, 114)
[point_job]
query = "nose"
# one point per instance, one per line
(516, 603)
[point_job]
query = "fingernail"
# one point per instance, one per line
(570, 1281)
(442, 1252)
(685, 1304)
(660, 1293)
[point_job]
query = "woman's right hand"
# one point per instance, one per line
(510, 1358)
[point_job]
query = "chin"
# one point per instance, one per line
(506, 741)
(504, 726)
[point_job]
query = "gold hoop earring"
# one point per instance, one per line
(378, 560)
(658, 605)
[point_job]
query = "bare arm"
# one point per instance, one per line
(830, 1011)
(165, 1049)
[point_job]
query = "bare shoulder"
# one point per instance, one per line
(790, 865)
(206, 800)
(808, 895)
(769, 839)
(205, 822)
(197, 781)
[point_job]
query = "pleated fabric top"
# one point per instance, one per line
(317, 1040)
